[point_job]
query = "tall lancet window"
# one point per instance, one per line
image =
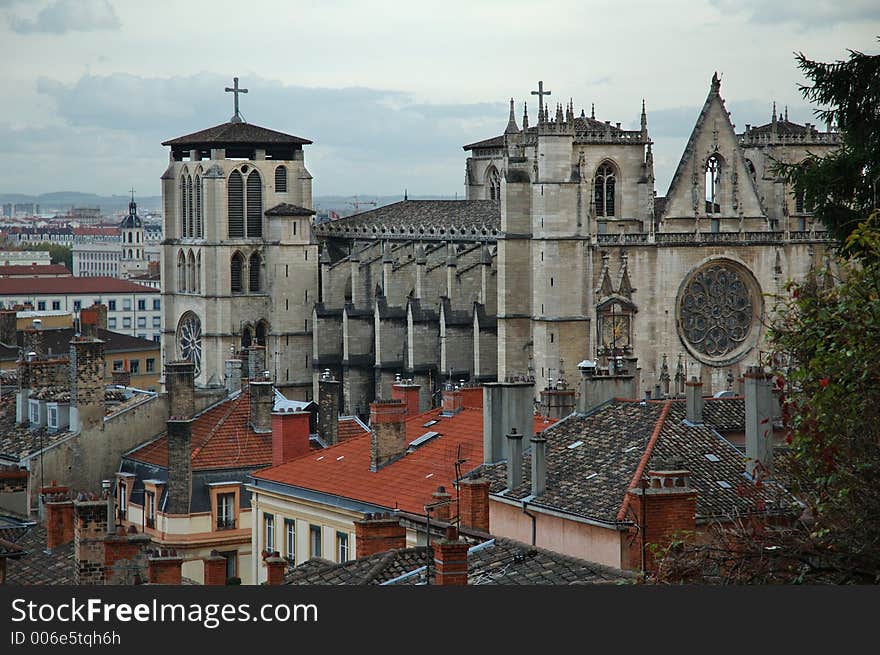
(235, 271)
(254, 272)
(713, 184)
(235, 202)
(183, 205)
(604, 190)
(189, 205)
(493, 181)
(181, 272)
(254, 205)
(198, 232)
(281, 179)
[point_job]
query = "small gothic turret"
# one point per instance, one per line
(512, 127)
(525, 116)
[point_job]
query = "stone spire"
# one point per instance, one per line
(644, 119)
(512, 127)
(593, 111)
(525, 116)
(559, 116)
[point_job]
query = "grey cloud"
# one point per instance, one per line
(818, 13)
(63, 16)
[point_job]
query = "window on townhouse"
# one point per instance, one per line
(342, 550)
(269, 532)
(150, 509)
(157, 305)
(56, 305)
(157, 321)
(41, 305)
(231, 563)
(226, 511)
(126, 322)
(122, 497)
(134, 366)
(314, 541)
(151, 364)
(77, 305)
(111, 323)
(126, 305)
(142, 305)
(156, 338)
(111, 305)
(118, 364)
(53, 417)
(142, 321)
(290, 539)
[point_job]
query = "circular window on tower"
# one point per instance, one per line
(719, 309)
(189, 340)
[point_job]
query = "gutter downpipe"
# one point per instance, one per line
(525, 503)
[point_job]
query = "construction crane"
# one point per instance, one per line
(357, 203)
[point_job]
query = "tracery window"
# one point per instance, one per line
(281, 179)
(189, 340)
(236, 266)
(493, 180)
(713, 179)
(604, 190)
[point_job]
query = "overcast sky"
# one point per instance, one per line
(388, 91)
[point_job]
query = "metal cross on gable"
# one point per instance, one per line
(235, 90)
(540, 93)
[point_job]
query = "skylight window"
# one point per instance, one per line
(574, 445)
(723, 484)
(430, 423)
(712, 458)
(430, 475)
(590, 476)
(630, 449)
(340, 457)
(425, 438)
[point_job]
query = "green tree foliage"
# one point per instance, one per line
(57, 253)
(844, 187)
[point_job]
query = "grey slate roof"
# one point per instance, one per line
(236, 133)
(37, 566)
(500, 561)
(590, 480)
(420, 219)
(286, 209)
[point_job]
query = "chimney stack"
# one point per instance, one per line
(407, 392)
(506, 405)
(91, 320)
(90, 528)
(59, 523)
(290, 436)
(180, 388)
(514, 459)
(275, 568)
(453, 400)
(122, 377)
(262, 403)
(165, 568)
(376, 533)
(387, 432)
(473, 501)
(233, 376)
(472, 396)
(256, 362)
(597, 387)
(539, 465)
(441, 500)
(9, 327)
(86, 383)
(451, 559)
(668, 504)
(761, 410)
(215, 569)
(179, 466)
(694, 393)
(328, 408)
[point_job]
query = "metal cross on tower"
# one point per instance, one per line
(540, 93)
(235, 90)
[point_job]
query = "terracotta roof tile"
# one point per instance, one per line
(62, 285)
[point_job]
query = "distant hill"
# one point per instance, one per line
(63, 200)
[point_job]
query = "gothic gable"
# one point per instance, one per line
(713, 140)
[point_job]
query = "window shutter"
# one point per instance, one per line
(254, 205)
(235, 198)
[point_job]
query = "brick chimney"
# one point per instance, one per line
(89, 530)
(506, 405)
(473, 503)
(761, 410)
(180, 387)
(514, 459)
(92, 319)
(290, 436)
(86, 383)
(693, 390)
(328, 408)
(407, 392)
(387, 432)
(666, 504)
(441, 501)
(125, 557)
(9, 327)
(472, 396)
(59, 523)
(451, 559)
(262, 395)
(256, 360)
(453, 401)
(275, 569)
(215, 569)
(377, 533)
(233, 376)
(179, 487)
(165, 568)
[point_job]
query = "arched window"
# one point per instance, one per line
(281, 179)
(254, 272)
(129, 237)
(801, 204)
(198, 232)
(493, 181)
(183, 204)
(750, 167)
(713, 184)
(181, 272)
(247, 336)
(604, 190)
(235, 201)
(189, 205)
(262, 332)
(191, 272)
(199, 272)
(235, 270)
(130, 256)
(254, 205)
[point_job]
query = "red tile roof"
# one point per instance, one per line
(68, 285)
(33, 269)
(221, 438)
(344, 469)
(349, 428)
(96, 231)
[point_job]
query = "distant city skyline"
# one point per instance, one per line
(388, 96)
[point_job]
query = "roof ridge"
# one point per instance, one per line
(643, 462)
(379, 566)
